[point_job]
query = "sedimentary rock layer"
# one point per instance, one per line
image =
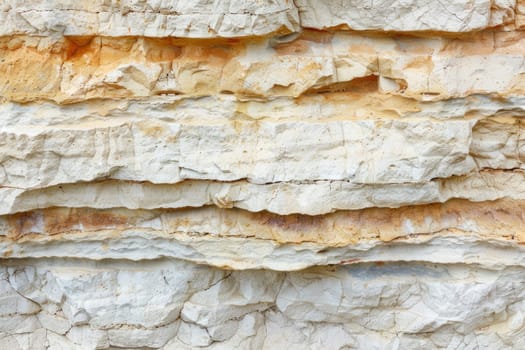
(209, 19)
(280, 198)
(193, 19)
(169, 304)
(262, 174)
(358, 151)
(68, 69)
(238, 240)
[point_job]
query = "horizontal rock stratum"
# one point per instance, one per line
(270, 174)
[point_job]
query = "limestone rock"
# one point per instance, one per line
(412, 15)
(421, 68)
(374, 306)
(203, 19)
(192, 19)
(270, 174)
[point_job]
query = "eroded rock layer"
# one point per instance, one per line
(268, 174)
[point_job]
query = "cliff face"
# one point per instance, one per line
(270, 174)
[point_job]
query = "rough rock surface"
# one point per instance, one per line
(262, 174)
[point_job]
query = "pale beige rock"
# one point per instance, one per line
(417, 68)
(368, 306)
(280, 198)
(358, 151)
(412, 15)
(211, 235)
(326, 174)
(193, 19)
(520, 14)
(204, 19)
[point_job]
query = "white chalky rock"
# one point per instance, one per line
(411, 15)
(262, 174)
(372, 306)
(192, 19)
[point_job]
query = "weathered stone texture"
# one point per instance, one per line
(270, 174)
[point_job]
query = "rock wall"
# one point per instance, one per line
(270, 174)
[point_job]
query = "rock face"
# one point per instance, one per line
(270, 174)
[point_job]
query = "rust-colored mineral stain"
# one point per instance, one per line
(216, 55)
(359, 85)
(100, 220)
(76, 47)
(161, 50)
(295, 222)
(53, 221)
(502, 219)
(425, 63)
(22, 223)
(363, 49)
(60, 220)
